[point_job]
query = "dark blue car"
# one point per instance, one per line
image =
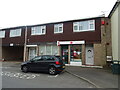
(50, 63)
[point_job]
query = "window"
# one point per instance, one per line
(2, 34)
(15, 32)
(38, 30)
(58, 28)
(76, 26)
(91, 24)
(84, 26)
(49, 50)
(76, 53)
(38, 58)
(55, 50)
(48, 57)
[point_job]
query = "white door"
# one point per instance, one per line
(89, 55)
(32, 53)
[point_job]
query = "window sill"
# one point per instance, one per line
(58, 32)
(15, 36)
(37, 34)
(85, 31)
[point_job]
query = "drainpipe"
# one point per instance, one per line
(25, 42)
(69, 54)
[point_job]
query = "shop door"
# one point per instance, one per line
(89, 55)
(32, 53)
(65, 54)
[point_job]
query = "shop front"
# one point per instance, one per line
(42, 49)
(71, 51)
(74, 53)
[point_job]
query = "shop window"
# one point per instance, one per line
(49, 50)
(42, 50)
(55, 50)
(76, 53)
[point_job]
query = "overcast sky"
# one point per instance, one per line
(30, 12)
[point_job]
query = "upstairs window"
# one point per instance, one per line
(2, 34)
(38, 30)
(76, 26)
(84, 26)
(58, 28)
(15, 32)
(91, 24)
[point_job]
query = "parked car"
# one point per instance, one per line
(50, 63)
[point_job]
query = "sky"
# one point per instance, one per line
(30, 12)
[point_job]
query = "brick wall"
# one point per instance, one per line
(83, 54)
(104, 49)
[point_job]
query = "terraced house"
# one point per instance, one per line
(79, 42)
(115, 29)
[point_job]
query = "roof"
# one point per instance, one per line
(82, 19)
(75, 20)
(114, 8)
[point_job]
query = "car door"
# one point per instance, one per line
(36, 63)
(48, 60)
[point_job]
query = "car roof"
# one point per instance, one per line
(47, 55)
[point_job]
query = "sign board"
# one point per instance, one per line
(11, 44)
(69, 42)
(31, 45)
(109, 58)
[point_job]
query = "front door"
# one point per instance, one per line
(89, 55)
(65, 53)
(32, 53)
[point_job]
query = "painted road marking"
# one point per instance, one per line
(53, 76)
(19, 75)
(23, 75)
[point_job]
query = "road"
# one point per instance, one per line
(12, 77)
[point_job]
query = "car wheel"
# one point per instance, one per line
(25, 69)
(52, 70)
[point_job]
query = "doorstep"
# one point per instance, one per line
(85, 66)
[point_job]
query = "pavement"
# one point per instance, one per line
(99, 77)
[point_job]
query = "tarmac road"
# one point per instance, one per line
(12, 77)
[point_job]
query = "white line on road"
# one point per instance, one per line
(53, 76)
(23, 75)
(19, 75)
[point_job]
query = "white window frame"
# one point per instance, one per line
(89, 22)
(76, 24)
(43, 27)
(2, 34)
(58, 26)
(93, 22)
(35, 29)
(15, 32)
(51, 49)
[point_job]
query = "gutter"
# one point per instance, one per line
(114, 8)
